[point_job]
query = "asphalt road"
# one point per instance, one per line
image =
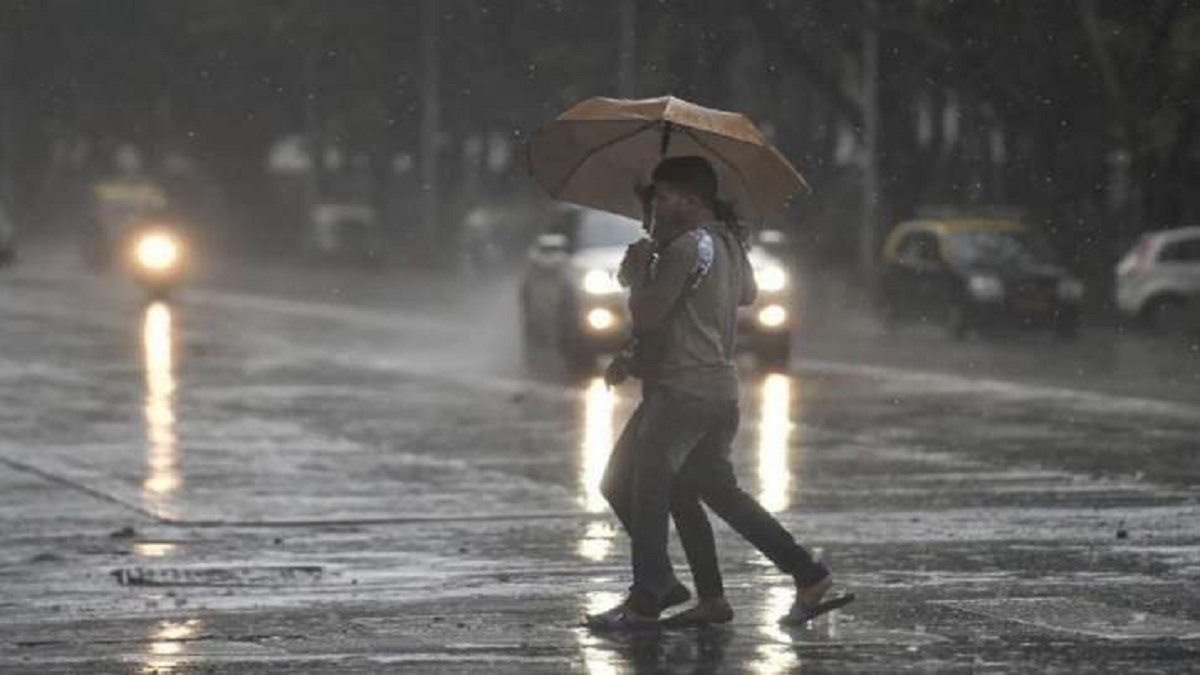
(297, 472)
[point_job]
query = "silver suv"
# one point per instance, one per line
(1158, 280)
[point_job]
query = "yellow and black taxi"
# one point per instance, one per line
(975, 274)
(570, 299)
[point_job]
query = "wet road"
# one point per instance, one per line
(320, 473)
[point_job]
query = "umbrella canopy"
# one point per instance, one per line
(600, 151)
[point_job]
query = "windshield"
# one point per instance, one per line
(598, 229)
(1011, 247)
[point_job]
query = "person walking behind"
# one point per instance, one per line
(685, 287)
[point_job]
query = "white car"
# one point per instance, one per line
(570, 299)
(1159, 278)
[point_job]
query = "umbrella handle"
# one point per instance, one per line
(666, 139)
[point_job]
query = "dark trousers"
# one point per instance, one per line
(672, 455)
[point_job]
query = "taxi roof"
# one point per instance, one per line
(945, 226)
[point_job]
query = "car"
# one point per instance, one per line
(570, 300)
(116, 207)
(8, 239)
(976, 274)
(1158, 280)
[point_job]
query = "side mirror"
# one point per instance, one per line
(551, 244)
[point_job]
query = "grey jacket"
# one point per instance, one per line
(708, 269)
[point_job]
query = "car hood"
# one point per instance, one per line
(608, 258)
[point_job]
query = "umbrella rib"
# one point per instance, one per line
(571, 174)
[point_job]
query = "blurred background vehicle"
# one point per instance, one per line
(131, 225)
(570, 299)
(976, 274)
(1158, 280)
(155, 254)
(116, 207)
(8, 238)
(343, 232)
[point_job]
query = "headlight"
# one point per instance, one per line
(600, 282)
(157, 251)
(772, 316)
(1070, 289)
(601, 319)
(986, 287)
(771, 278)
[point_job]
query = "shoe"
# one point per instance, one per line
(706, 612)
(622, 617)
(809, 602)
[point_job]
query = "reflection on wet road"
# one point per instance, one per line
(166, 645)
(598, 437)
(774, 442)
(163, 476)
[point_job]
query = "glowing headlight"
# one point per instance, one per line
(601, 319)
(986, 287)
(1070, 289)
(772, 316)
(600, 282)
(157, 251)
(770, 279)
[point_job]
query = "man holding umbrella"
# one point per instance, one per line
(686, 284)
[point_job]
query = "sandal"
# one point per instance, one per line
(620, 618)
(801, 613)
(704, 613)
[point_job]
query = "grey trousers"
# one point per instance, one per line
(672, 455)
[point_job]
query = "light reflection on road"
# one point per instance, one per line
(163, 478)
(599, 403)
(774, 442)
(151, 549)
(162, 654)
(776, 655)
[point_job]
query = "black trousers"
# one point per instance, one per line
(672, 455)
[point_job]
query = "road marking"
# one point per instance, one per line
(1081, 617)
(1005, 389)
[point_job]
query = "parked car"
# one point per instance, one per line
(8, 239)
(1158, 280)
(976, 274)
(570, 299)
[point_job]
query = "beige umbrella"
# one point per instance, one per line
(600, 151)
